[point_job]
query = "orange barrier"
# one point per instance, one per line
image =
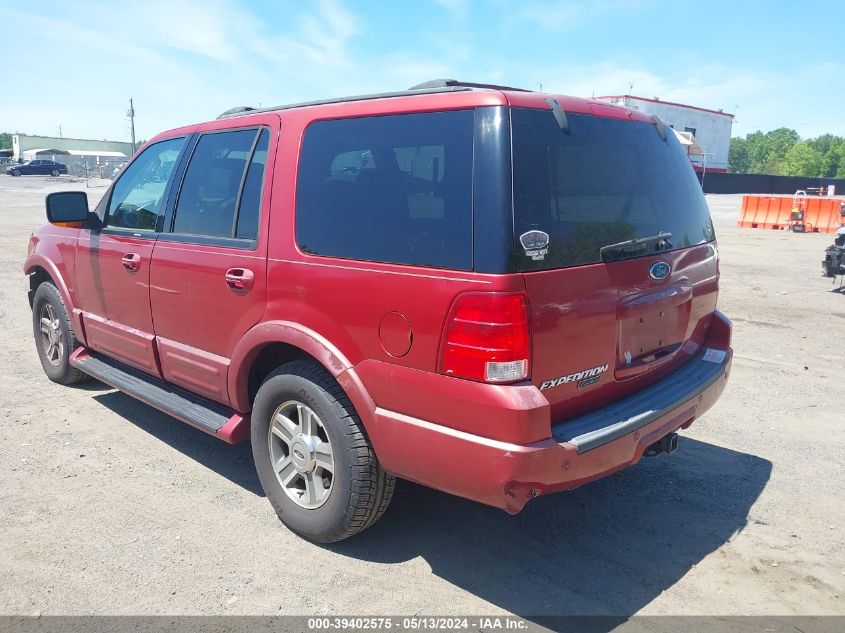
(821, 215)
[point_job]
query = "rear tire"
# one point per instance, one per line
(54, 336)
(307, 437)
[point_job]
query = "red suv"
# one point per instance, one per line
(493, 292)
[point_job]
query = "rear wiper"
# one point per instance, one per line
(639, 245)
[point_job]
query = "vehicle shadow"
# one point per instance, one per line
(232, 462)
(608, 548)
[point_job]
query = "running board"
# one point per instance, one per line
(199, 412)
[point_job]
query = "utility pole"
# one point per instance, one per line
(131, 115)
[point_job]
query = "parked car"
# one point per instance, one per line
(493, 292)
(37, 167)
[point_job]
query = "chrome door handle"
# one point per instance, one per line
(131, 262)
(240, 279)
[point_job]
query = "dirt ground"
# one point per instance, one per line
(109, 507)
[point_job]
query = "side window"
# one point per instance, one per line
(390, 189)
(248, 211)
(214, 180)
(137, 195)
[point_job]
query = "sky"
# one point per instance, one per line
(76, 64)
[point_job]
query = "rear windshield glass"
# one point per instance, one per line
(608, 189)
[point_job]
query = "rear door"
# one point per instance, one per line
(208, 276)
(615, 241)
(113, 261)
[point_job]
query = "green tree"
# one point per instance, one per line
(825, 143)
(840, 170)
(830, 161)
(758, 152)
(738, 156)
(801, 160)
(780, 141)
(5, 140)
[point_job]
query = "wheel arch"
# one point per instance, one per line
(37, 276)
(40, 269)
(272, 343)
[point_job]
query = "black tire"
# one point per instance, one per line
(54, 173)
(15, 172)
(360, 489)
(58, 370)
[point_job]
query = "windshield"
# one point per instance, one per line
(606, 189)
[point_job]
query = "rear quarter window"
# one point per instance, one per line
(394, 189)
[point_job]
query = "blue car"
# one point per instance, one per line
(37, 167)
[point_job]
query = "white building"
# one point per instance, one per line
(710, 128)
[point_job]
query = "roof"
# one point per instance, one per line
(95, 152)
(447, 92)
(74, 152)
(44, 150)
(670, 103)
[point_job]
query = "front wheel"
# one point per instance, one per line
(54, 173)
(54, 337)
(16, 172)
(313, 457)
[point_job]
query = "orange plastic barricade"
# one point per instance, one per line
(821, 215)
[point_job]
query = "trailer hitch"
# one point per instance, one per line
(667, 444)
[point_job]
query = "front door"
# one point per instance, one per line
(113, 261)
(208, 275)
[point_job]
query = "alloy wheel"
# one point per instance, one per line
(301, 454)
(52, 338)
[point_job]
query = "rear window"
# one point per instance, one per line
(389, 189)
(603, 183)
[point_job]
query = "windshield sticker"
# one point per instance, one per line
(535, 244)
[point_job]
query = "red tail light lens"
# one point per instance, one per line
(486, 338)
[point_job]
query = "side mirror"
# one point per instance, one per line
(67, 208)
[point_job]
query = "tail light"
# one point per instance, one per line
(486, 338)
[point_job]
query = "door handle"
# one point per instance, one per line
(131, 262)
(240, 279)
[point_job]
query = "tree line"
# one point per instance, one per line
(782, 152)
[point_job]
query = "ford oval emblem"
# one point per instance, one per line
(659, 270)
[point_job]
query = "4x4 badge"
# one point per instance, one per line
(535, 244)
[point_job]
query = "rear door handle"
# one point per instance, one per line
(131, 262)
(240, 279)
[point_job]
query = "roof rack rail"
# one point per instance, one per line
(455, 83)
(235, 110)
(380, 95)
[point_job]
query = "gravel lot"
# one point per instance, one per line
(109, 507)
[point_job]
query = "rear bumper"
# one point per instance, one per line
(508, 475)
